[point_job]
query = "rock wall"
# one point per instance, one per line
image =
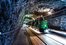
(9, 15)
(59, 22)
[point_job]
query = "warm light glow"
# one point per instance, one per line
(49, 13)
(33, 18)
(35, 30)
(46, 10)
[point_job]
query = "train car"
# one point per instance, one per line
(41, 24)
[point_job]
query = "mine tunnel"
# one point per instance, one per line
(32, 22)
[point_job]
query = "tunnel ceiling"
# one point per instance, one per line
(34, 5)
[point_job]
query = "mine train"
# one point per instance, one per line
(39, 23)
(42, 24)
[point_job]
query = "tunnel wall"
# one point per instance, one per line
(59, 22)
(9, 14)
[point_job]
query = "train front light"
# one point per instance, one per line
(47, 30)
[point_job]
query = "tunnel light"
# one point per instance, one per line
(63, 0)
(0, 33)
(49, 13)
(44, 10)
(47, 30)
(47, 10)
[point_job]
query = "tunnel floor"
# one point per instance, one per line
(21, 38)
(38, 38)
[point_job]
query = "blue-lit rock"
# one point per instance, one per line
(9, 14)
(59, 22)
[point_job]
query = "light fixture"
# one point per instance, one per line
(49, 13)
(47, 31)
(46, 10)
